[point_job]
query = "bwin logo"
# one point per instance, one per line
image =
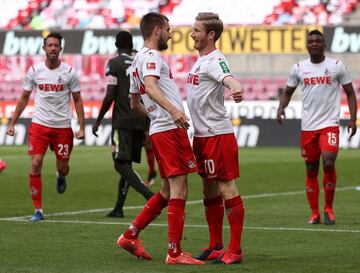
(343, 42)
(97, 44)
(22, 45)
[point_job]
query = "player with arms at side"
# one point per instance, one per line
(319, 77)
(154, 85)
(54, 82)
(127, 135)
(215, 146)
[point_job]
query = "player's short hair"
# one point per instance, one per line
(212, 22)
(124, 40)
(151, 20)
(55, 35)
(317, 32)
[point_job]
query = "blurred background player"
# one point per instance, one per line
(152, 79)
(319, 77)
(53, 81)
(127, 135)
(215, 146)
(150, 156)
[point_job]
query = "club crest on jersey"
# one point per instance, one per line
(59, 79)
(224, 67)
(192, 164)
(151, 66)
(197, 70)
(326, 72)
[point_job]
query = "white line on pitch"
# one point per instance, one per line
(77, 222)
(253, 196)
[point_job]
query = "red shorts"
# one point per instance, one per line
(217, 157)
(315, 142)
(173, 153)
(59, 139)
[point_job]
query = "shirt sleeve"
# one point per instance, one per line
(111, 77)
(151, 64)
(293, 79)
(344, 77)
(74, 83)
(29, 82)
(218, 69)
(133, 86)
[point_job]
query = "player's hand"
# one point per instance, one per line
(180, 119)
(95, 128)
(237, 94)
(351, 128)
(80, 134)
(10, 131)
(281, 116)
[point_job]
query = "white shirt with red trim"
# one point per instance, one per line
(205, 95)
(320, 91)
(52, 97)
(148, 62)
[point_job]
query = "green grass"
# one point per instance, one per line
(276, 237)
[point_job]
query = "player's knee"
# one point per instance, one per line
(63, 170)
(228, 189)
(121, 166)
(36, 164)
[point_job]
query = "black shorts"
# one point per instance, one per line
(127, 144)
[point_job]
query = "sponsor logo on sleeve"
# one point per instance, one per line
(151, 66)
(224, 67)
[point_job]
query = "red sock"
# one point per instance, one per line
(214, 212)
(150, 211)
(150, 158)
(235, 214)
(176, 218)
(329, 183)
(312, 190)
(36, 190)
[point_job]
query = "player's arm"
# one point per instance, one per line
(285, 98)
(152, 89)
(79, 108)
(235, 87)
(105, 106)
(351, 99)
(136, 105)
(20, 106)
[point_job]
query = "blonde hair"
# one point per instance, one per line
(212, 22)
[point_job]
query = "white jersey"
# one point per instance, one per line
(148, 62)
(205, 95)
(320, 91)
(52, 98)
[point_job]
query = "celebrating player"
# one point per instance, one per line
(152, 82)
(319, 77)
(128, 126)
(54, 82)
(215, 146)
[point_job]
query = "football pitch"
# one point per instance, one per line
(77, 237)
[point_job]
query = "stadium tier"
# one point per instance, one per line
(69, 14)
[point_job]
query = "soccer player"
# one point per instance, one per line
(319, 77)
(54, 82)
(128, 127)
(215, 146)
(153, 83)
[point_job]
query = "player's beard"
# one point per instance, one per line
(162, 44)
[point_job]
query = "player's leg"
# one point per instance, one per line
(38, 143)
(214, 214)
(123, 188)
(329, 145)
(312, 190)
(310, 151)
(124, 144)
(62, 144)
(235, 214)
(129, 239)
